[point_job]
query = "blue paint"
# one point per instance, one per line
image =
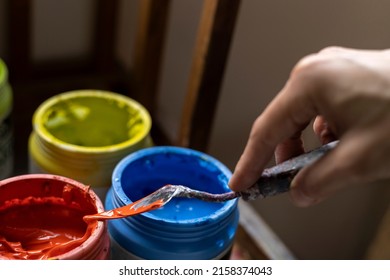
(184, 228)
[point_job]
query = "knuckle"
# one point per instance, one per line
(312, 68)
(305, 64)
(325, 64)
(331, 50)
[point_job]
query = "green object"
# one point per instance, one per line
(6, 137)
(5, 92)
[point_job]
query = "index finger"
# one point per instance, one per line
(291, 110)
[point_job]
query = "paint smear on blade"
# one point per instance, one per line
(125, 211)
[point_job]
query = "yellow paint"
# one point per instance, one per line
(92, 120)
(83, 134)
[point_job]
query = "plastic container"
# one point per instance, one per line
(83, 134)
(6, 134)
(45, 214)
(182, 229)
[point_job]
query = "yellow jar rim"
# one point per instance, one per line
(40, 129)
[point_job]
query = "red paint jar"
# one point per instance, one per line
(41, 217)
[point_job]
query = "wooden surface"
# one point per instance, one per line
(211, 51)
(104, 35)
(19, 38)
(149, 49)
(380, 247)
(255, 239)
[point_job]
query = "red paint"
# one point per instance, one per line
(47, 225)
(41, 228)
(125, 211)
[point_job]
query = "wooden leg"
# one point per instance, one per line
(380, 246)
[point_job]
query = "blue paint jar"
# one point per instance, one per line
(182, 229)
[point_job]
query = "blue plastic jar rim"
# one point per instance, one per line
(122, 199)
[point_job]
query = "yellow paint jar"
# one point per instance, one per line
(83, 134)
(6, 134)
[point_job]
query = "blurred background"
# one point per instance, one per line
(270, 36)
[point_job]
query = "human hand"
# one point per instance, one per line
(347, 92)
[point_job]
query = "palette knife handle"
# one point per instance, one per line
(277, 179)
